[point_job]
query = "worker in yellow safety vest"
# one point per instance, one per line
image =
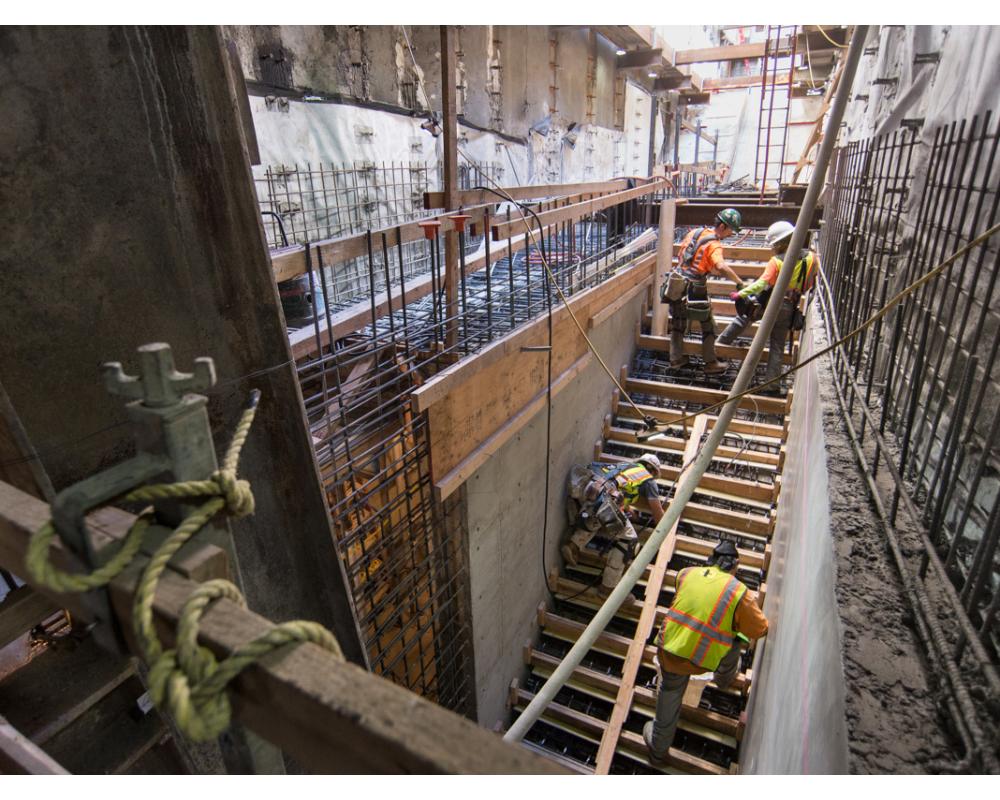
(701, 633)
(751, 300)
(602, 503)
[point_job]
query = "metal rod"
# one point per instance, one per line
(704, 458)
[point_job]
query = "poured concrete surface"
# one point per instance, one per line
(505, 506)
(796, 712)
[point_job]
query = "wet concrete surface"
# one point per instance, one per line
(893, 724)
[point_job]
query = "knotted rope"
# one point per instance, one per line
(186, 680)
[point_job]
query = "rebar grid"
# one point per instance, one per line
(308, 202)
(930, 373)
(403, 551)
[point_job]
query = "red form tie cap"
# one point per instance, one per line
(459, 220)
(430, 228)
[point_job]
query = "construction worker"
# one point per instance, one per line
(686, 289)
(701, 633)
(751, 300)
(601, 502)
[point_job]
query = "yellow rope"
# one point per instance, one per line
(827, 37)
(896, 299)
(186, 680)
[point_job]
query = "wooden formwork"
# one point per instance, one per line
(595, 723)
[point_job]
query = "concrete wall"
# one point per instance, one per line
(505, 505)
(796, 712)
(339, 67)
(136, 222)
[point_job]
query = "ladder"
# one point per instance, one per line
(775, 102)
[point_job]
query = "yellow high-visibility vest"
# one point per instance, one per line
(629, 480)
(699, 624)
(801, 277)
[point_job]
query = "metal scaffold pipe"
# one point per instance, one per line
(700, 465)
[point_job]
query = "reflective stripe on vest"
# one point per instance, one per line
(798, 274)
(699, 624)
(629, 481)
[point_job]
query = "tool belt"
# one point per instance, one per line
(691, 289)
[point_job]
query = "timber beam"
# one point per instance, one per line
(329, 714)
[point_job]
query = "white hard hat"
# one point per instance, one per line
(778, 231)
(652, 462)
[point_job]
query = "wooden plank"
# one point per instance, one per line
(330, 715)
(571, 212)
(463, 404)
(59, 686)
(741, 82)
(630, 744)
(674, 391)
(608, 312)
(702, 132)
(662, 443)
(611, 643)
(644, 627)
(359, 315)
(20, 756)
(610, 685)
(583, 305)
(290, 262)
(110, 735)
(729, 52)
(645, 57)
(20, 611)
(661, 344)
(668, 416)
(664, 263)
(461, 473)
(472, 197)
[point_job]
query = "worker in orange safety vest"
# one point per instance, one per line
(701, 633)
(686, 288)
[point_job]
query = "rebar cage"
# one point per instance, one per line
(899, 206)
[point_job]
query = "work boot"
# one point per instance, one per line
(605, 591)
(570, 553)
(647, 737)
(716, 367)
(683, 361)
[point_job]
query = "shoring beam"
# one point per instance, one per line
(686, 489)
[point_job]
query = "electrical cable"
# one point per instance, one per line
(550, 281)
(898, 298)
(647, 420)
(827, 37)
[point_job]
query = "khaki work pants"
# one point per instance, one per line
(670, 695)
(614, 565)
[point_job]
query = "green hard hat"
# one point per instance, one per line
(730, 217)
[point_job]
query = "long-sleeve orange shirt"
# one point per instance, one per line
(748, 620)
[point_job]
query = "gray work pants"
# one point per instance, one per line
(670, 695)
(614, 565)
(775, 345)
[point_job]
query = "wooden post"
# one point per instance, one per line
(449, 121)
(664, 262)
